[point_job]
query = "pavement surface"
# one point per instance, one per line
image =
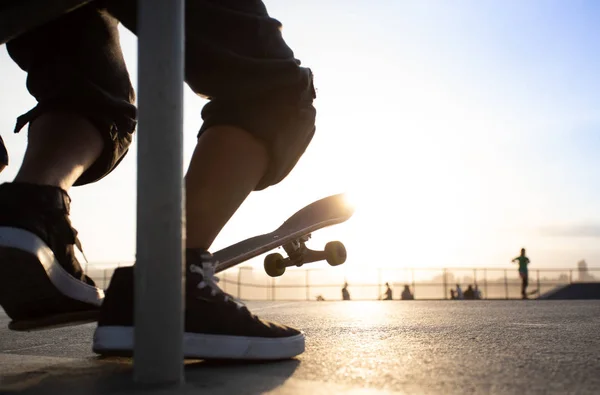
(417, 347)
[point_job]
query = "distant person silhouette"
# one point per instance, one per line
(469, 293)
(387, 295)
(452, 294)
(345, 293)
(523, 272)
(459, 292)
(406, 295)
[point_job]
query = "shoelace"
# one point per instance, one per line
(209, 280)
(73, 239)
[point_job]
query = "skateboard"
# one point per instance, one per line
(292, 235)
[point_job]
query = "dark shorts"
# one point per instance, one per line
(235, 56)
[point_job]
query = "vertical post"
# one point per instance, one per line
(378, 283)
(505, 285)
(539, 291)
(307, 284)
(267, 289)
(239, 285)
(158, 350)
(445, 283)
(485, 289)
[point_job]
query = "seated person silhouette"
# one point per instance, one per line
(406, 295)
(345, 293)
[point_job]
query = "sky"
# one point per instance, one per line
(462, 130)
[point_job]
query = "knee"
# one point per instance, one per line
(283, 121)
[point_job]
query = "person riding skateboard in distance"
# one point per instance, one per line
(258, 122)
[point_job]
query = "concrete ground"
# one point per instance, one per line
(428, 347)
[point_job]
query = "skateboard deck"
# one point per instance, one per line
(292, 235)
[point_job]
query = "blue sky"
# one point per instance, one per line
(464, 129)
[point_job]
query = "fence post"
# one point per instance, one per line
(485, 283)
(307, 284)
(505, 285)
(445, 283)
(239, 283)
(268, 289)
(538, 282)
(378, 283)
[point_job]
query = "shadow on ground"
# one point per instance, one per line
(99, 376)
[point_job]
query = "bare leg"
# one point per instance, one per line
(61, 147)
(227, 165)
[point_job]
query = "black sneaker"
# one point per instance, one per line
(216, 325)
(41, 282)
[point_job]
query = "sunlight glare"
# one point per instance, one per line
(351, 200)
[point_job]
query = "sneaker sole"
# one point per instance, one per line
(36, 291)
(118, 341)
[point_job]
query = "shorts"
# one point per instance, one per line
(235, 57)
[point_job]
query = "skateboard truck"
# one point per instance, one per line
(299, 254)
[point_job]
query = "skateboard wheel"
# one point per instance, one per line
(274, 265)
(335, 253)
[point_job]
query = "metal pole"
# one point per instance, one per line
(485, 283)
(158, 351)
(378, 283)
(445, 283)
(239, 284)
(505, 285)
(307, 284)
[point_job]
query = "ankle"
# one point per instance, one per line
(34, 197)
